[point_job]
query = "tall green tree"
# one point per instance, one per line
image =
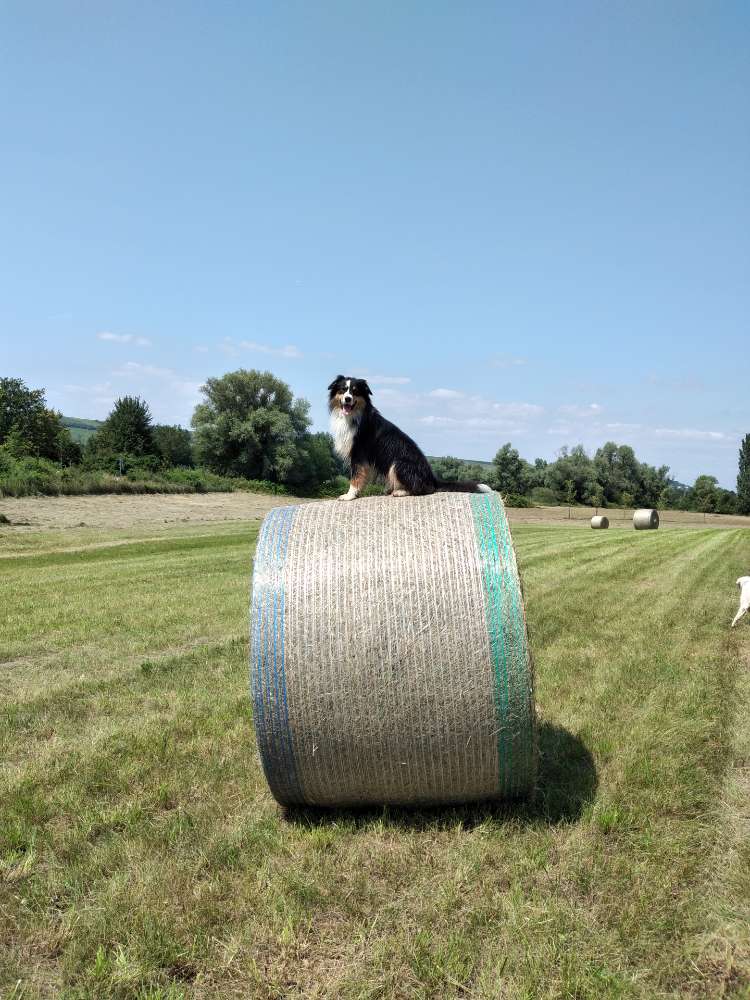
(510, 474)
(128, 430)
(743, 477)
(706, 494)
(28, 427)
(251, 425)
(572, 476)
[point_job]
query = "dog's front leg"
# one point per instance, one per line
(357, 482)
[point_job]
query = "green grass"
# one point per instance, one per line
(141, 855)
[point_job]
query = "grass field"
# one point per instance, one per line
(141, 855)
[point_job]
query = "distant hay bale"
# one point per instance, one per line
(646, 519)
(600, 521)
(389, 660)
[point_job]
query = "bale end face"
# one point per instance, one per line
(600, 521)
(646, 519)
(389, 656)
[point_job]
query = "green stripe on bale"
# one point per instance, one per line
(506, 626)
(406, 670)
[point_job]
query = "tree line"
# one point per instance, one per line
(612, 477)
(249, 427)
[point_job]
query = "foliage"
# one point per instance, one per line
(516, 500)
(251, 425)
(705, 493)
(451, 470)
(572, 476)
(30, 476)
(28, 427)
(128, 430)
(510, 473)
(743, 477)
(316, 463)
(544, 496)
(173, 444)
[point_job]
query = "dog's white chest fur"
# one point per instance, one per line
(343, 429)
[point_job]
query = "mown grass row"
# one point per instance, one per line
(141, 855)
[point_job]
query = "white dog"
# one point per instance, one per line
(744, 584)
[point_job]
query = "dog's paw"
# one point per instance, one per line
(347, 496)
(401, 493)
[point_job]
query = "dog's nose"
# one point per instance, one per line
(348, 398)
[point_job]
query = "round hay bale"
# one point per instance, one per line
(389, 660)
(600, 521)
(646, 519)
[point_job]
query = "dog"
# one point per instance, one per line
(373, 446)
(744, 584)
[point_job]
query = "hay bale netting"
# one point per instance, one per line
(646, 519)
(600, 521)
(389, 660)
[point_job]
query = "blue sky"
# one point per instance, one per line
(523, 222)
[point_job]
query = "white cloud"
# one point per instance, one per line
(176, 383)
(619, 426)
(124, 338)
(690, 434)
(446, 394)
(465, 413)
(288, 351)
(518, 410)
(574, 410)
(200, 349)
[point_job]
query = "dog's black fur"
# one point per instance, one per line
(373, 445)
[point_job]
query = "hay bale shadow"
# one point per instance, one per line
(567, 781)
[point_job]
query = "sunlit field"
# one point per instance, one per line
(141, 855)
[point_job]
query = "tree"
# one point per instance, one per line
(572, 467)
(251, 425)
(317, 462)
(127, 431)
(448, 468)
(510, 473)
(28, 427)
(173, 444)
(706, 494)
(596, 495)
(743, 477)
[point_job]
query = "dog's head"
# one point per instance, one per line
(348, 395)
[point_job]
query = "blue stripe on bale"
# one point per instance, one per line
(267, 674)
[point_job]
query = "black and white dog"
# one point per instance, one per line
(373, 446)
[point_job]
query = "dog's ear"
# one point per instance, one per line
(332, 386)
(364, 387)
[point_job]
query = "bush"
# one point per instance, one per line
(27, 476)
(544, 496)
(516, 500)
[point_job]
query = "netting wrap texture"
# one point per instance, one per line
(389, 658)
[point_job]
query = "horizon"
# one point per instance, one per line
(520, 225)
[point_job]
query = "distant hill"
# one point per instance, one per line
(467, 461)
(80, 428)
